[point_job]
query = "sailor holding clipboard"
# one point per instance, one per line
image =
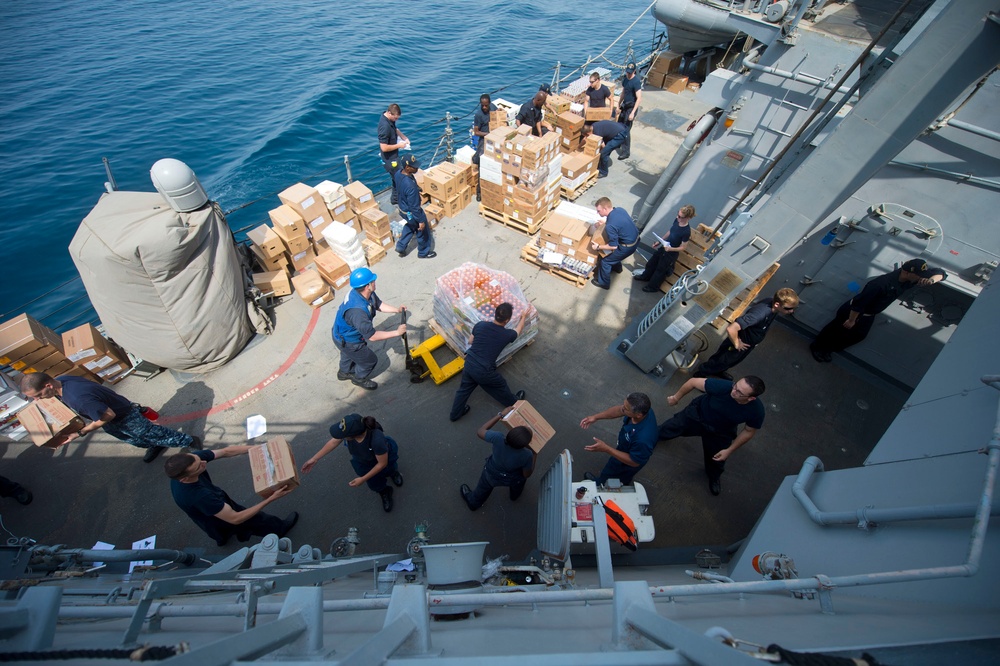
(661, 264)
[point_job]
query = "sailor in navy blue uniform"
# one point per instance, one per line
(715, 417)
(412, 212)
(636, 439)
(614, 135)
(855, 318)
(390, 140)
(489, 339)
(630, 98)
(747, 332)
(480, 128)
(622, 236)
(661, 263)
(353, 329)
(530, 114)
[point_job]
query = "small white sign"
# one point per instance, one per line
(148, 543)
(680, 328)
(256, 426)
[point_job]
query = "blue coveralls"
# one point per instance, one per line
(413, 214)
(355, 356)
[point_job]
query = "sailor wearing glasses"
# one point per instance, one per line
(715, 417)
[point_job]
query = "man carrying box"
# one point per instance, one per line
(106, 409)
(511, 463)
(211, 508)
(622, 238)
(353, 330)
(411, 210)
(488, 340)
(597, 94)
(636, 439)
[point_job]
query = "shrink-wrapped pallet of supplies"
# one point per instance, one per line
(469, 294)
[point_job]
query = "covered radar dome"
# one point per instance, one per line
(166, 281)
(177, 183)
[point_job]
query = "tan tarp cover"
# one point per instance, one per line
(167, 286)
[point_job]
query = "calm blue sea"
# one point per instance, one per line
(253, 96)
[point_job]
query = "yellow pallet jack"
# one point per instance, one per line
(421, 363)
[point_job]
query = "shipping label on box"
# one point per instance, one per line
(273, 466)
(524, 414)
(47, 420)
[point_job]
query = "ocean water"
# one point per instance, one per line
(253, 96)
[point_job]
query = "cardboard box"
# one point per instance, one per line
(675, 83)
(524, 414)
(22, 335)
(269, 243)
(273, 281)
(35, 357)
(360, 196)
(301, 260)
(286, 222)
(667, 63)
(451, 207)
(277, 263)
(341, 209)
(440, 183)
(273, 466)
(557, 104)
(84, 342)
(312, 288)
(333, 269)
(46, 419)
(54, 364)
(305, 201)
(570, 121)
(595, 113)
(374, 252)
(376, 221)
(434, 212)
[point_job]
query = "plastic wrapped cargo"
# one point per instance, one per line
(469, 294)
(346, 244)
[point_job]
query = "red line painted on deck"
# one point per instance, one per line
(191, 416)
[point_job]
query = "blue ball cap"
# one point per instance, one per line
(411, 160)
(351, 425)
(361, 277)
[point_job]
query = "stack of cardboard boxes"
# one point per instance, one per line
(569, 127)
(295, 240)
(26, 345)
(520, 177)
(87, 348)
(449, 187)
(663, 73)
(375, 225)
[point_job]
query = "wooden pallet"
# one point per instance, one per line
(513, 223)
(529, 254)
(574, 194)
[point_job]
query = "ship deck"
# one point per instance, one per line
(99, 489)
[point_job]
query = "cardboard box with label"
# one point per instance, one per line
(273, 466)
(47, 419)
(361, 197)
(524, 414)
(375, 221)
(305, 201)
(301, 260)
(287, 222)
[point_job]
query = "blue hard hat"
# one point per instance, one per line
(361, 277)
